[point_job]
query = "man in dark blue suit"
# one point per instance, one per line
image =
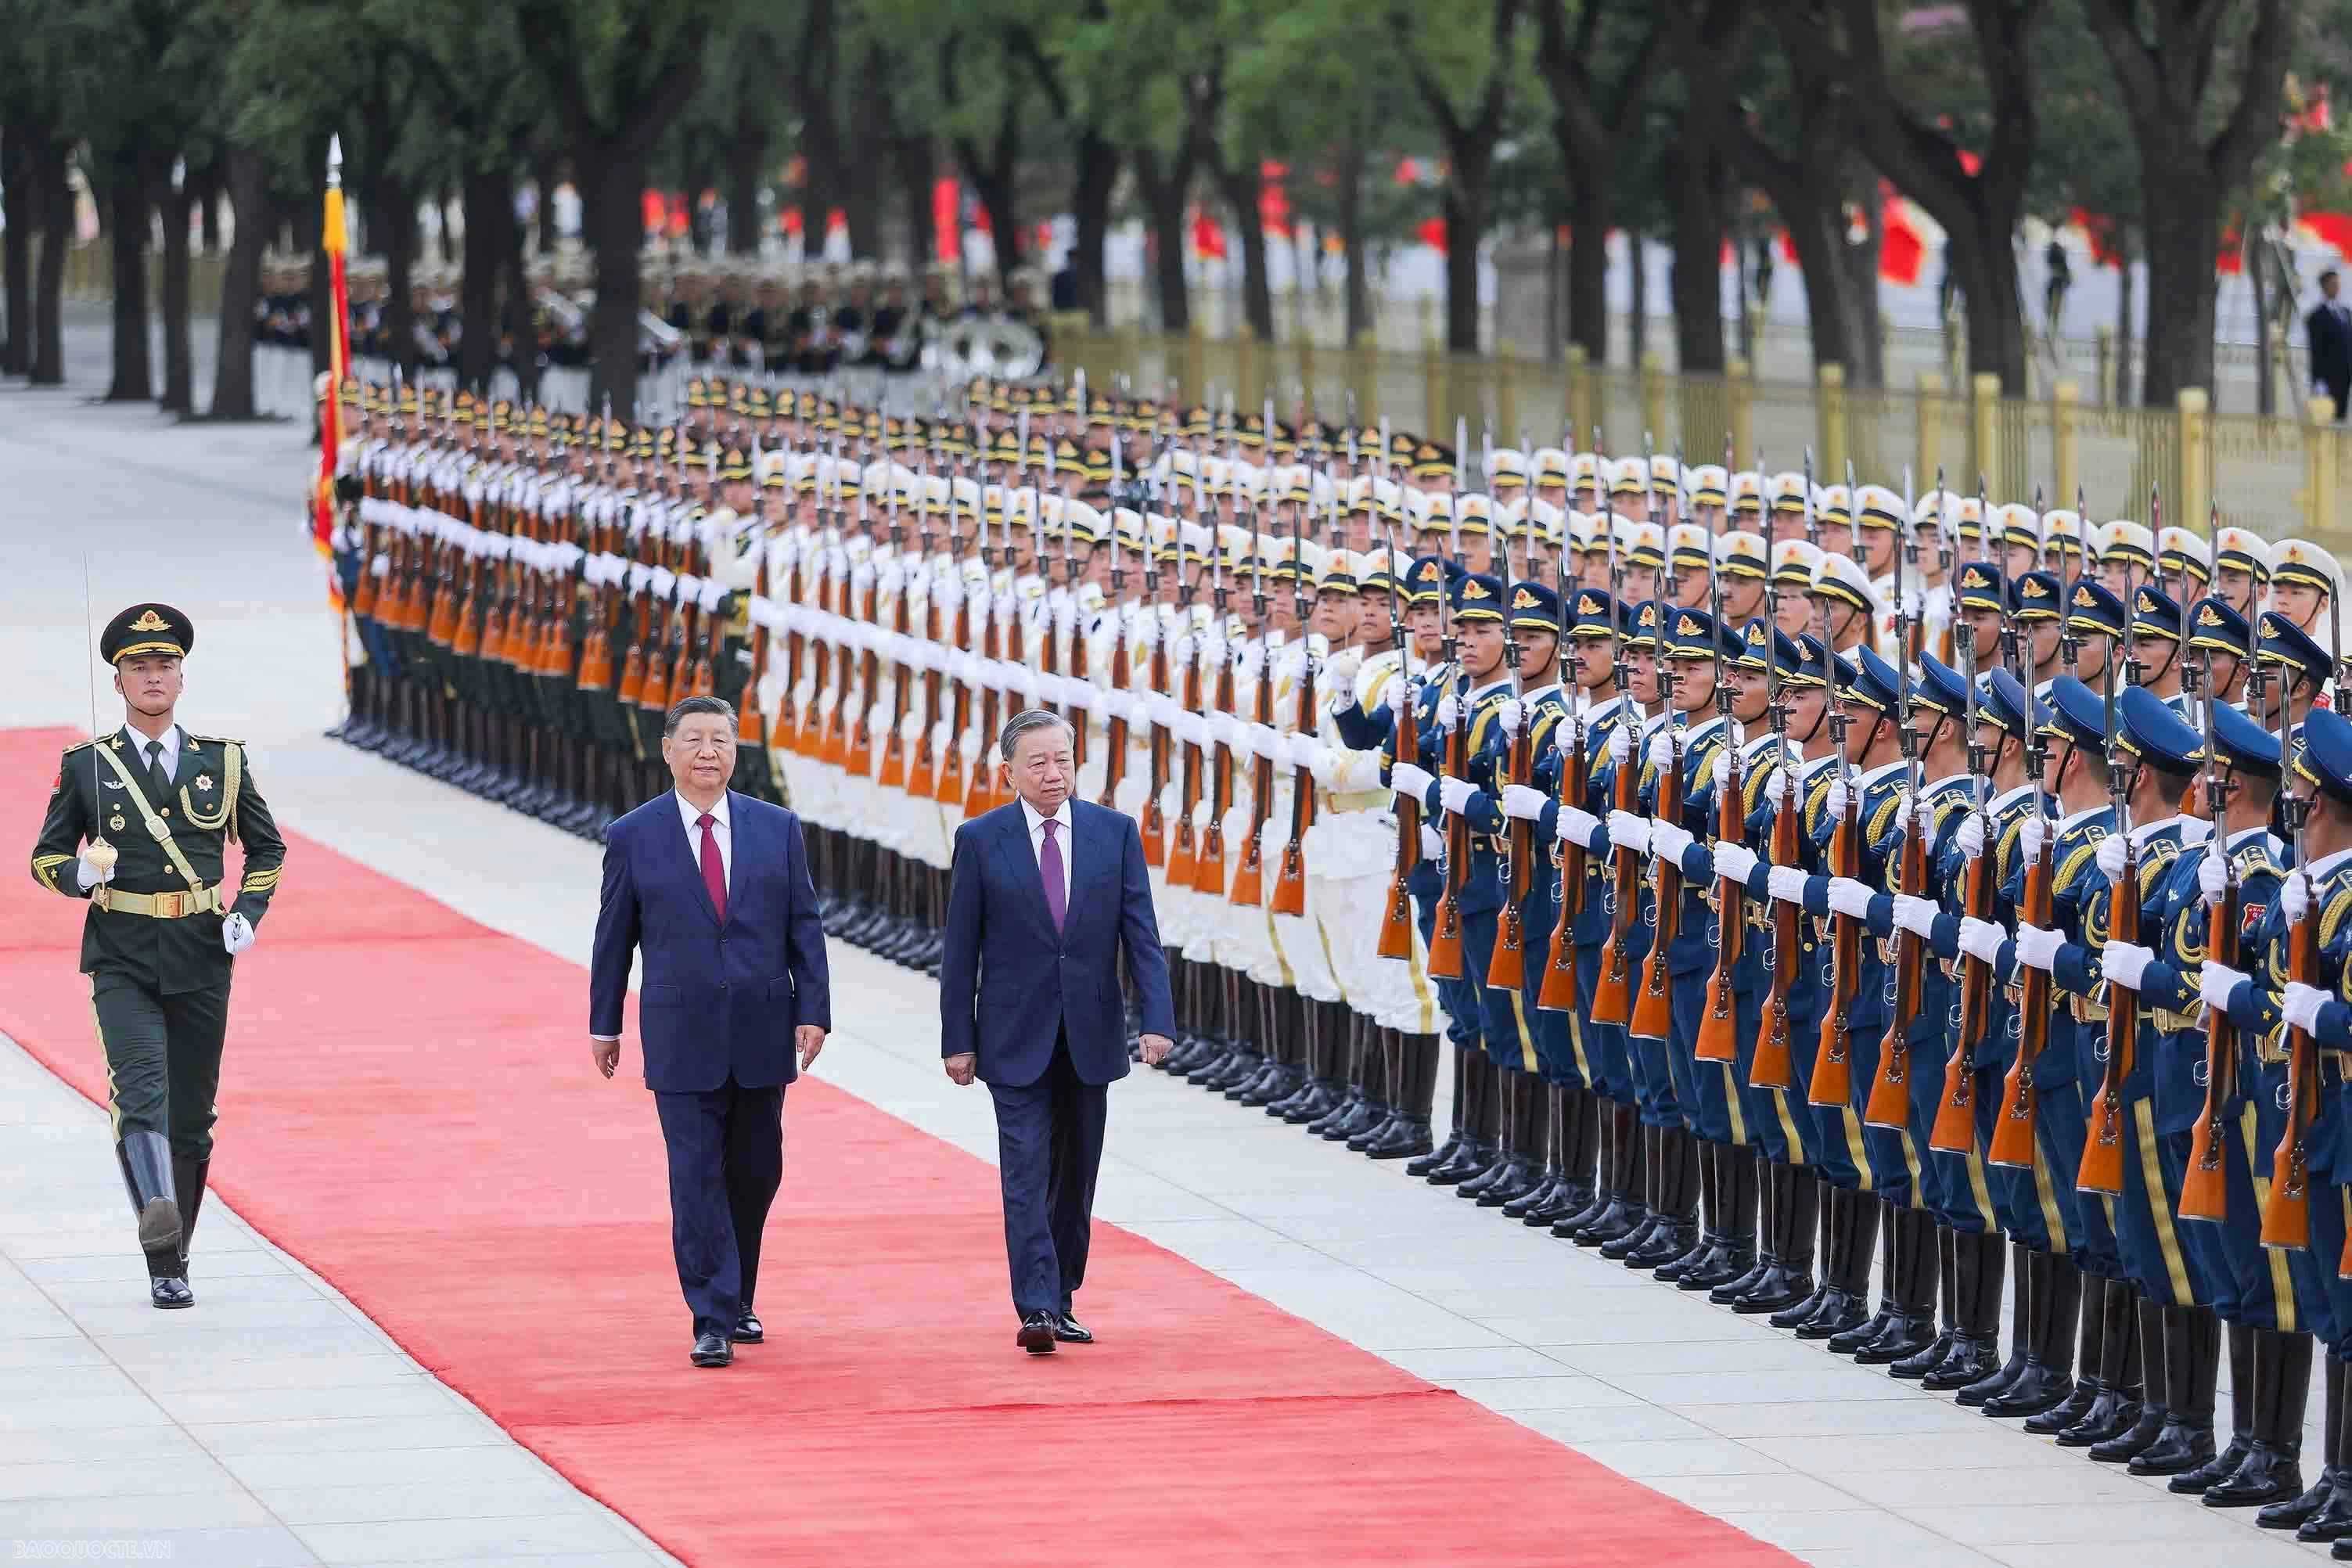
(712, 889)
(1047, 894)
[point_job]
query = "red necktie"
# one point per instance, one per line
(714, 869)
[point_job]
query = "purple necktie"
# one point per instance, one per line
(714, 869)
(1049, 864)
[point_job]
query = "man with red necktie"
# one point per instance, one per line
(711, 889)
(1045, 895)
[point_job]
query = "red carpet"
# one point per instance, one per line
(407, 1107)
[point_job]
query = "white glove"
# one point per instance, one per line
(237, 933)
(92, 872)
(1848, 897)
(1510, 716)
(1923, 816)
(1342, 688)
(1524, 803)
(1448, 711)
(1193, 729)
(1576, 825)
(1771, 788)
(1972, 835)
(1412, 781)
(1668, 840)
(1051, 690)
(1161, 710)
(1080, 696)
(1734, 863)
(1719, 771)
(1916, 914)
(1265, 741)
(2300, 1004)
(2219, 982)
(2124, 962)
(2294, 897)
(2037, 946)
(1629, 832)
(1298, 751)
(1621, 745)
(1662, 748)
(2212, 876)
(1227, 729)
(1980, 939)
(1455, 794)
(1320, 761)
(1432, 844)
(1400, 699)
(2113, 856)
(2030, 834)
(1834, 803)
(1787, 884)
(1564, 740)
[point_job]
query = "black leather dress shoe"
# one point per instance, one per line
(1037, 1332)
(748, 1331)
(711, 1350)
(169, 1292)
(1071, 1331)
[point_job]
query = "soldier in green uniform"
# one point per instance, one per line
(137, 826)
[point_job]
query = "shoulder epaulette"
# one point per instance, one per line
(2331, 918)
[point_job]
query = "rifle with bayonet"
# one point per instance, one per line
(1889, 1104)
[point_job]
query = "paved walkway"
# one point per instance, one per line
(1840, 1464)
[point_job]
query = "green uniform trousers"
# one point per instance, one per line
(163, 1059)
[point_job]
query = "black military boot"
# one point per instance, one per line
(2272, 1475)
(2086, 1340)
(1450, 1150)
(147, 1170)
(1604, 1197)
(1405, 1134)
(1630, 1185)
(188, 1180)
(1570, 1189)
(1946, 1290)
(1711, 1215)
(1766, 1178)
(1657, 1189)
(2192, 1359)
(1997, 1381)
(2293, 1513)
(2119, 1401)
(1848, 1340)
(1496, 1115)
(2223, 1465)
(1676, 1231)
(1787, 1283)
(1910, 1330)
(1524, 1170)
(2053, 1296)
(1845, 1307)
(1976, 1272)
(1831, 1214)
(1476, 1152)
(2140, 1436)
(1735, 1256)
(1544, 1152)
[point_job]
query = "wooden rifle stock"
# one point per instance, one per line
(2205, 1187)
(1718, 1034)
(1122, 670)
(1155, 817)
(1290, 882)
(980, 790)
(1397, 925)
(1612, 993)
(1209, 864)
(857, 729)
(1081, 721)
(1184, 860)
(1508, 969)
(1890, 1093)
(1445, 959)
(892, 774)
(922, 770)
(1559, 992)
(1249, 877)
(1955, 1131)
(951, 789)
(2013, 1133)
(1652, 1009)
(1774, 1064)
(1833, 1069)
(2102, 1170)
(2287, 1219)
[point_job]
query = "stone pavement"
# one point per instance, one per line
(1840, 1464)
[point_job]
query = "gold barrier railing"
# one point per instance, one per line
(2278, 476)
(90, 276)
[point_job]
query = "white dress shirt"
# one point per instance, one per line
(169, 740)
(719, 830)
(1061, 838)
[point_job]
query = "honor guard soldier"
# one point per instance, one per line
(137, 826)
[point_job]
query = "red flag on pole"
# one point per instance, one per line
(333, 239)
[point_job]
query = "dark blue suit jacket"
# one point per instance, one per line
(714, 999)
(1009, 987)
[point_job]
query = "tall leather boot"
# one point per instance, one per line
(1977, 1260)
(1656, 1191)
(1473, 1153)
(1849, 1341)
(1769, 1190)
(1629, 1202)
(1405, 1134)
(1830, 1214)
(2272, 1474)
(1608, 1199)
(1524, 1166)
(2088, 1346)
(2293, 1373)
(2223, 1465)
(1846, 1306)
(1676, 1231)
(2118, 1404)
(1354, 1104)
(1787, 1284)
(1910, 1329)
(146, 1161)
(1544, 1152)
(1735, 1259)
(2192, 1360)
(188, 1181)
(1449, 1151)
(1569, 1189)
(1710, 1213)
(1984, 1388)
(1500, 1117)
(2055, 1295)
(1946, 1290)
(2140, 1436)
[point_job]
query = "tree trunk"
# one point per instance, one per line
(2126, 330)
(1816, 233)
(2265, 384)
(396, 233)
(1466, 196)
(485, 193)
(1350, 175)
(1096, 174)
(1869, 366)
(619, 236)
(179, 360)
(1166, 183)
(862, 185)
(917, 160)
(507, 261)
(1588, 269)
(1243, 184)
(699, 212)
(2183, 230)
(134, 380)
(992, 179)
(1995, 305)
(1637, 265)
(1697, 183)
(747, 178)
(54, 201)
(209, 194)
(16, 223)
(246, 181)
(543, 178)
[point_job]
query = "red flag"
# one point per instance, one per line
(947, 220)
(334, 242)
(1208, 236)
(2333, 230)
(1431, 231)
(1900, 249)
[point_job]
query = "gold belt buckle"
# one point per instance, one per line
(170, 906)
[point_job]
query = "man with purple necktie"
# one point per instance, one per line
(1046, 895)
